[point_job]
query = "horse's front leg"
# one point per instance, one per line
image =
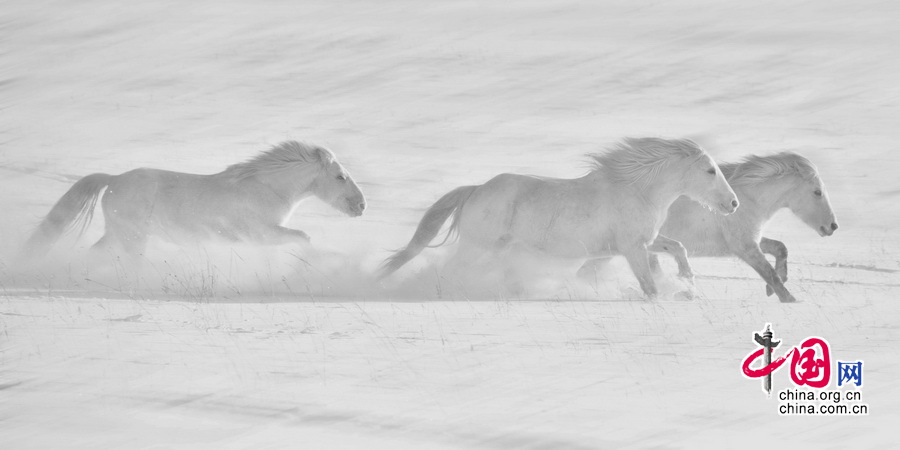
(779, 251)
(284, 235)
(752, 255)
(639, 260)
(677, 250)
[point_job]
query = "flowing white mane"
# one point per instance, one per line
(285, 155)
(640, 160)
(757, 169)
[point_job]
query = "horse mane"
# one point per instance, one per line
(285, 155)
(640, 160)
(758, 169)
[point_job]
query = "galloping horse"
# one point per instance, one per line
(249, 201)
(617, 208)
(763, 184)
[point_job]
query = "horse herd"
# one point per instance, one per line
(642, 197)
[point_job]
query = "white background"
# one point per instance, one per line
(417, 98)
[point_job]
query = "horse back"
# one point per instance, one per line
(192, 202)
(156, 185)
(565, 217)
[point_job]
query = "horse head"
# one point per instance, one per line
(706, 185)
(809, 201)
(334, 186)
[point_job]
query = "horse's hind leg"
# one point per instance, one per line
(779, 251)
(753, 256)
(132, 247)
(467, 261)
(118, 261)
(590, 269)
(105, 244)
(123, 240)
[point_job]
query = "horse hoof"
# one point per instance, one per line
(689, 277)
(788, 299)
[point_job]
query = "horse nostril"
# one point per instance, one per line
(734, 203)
(362, 206)
(833, 226)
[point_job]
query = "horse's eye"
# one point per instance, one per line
(711, 171)
(818, 192)
(342, 177)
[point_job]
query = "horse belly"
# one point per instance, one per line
(556, 217)
(529, 224)
(224, 221)
(188, 207)
(571, 247)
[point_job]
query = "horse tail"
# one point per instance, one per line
(448, 205)
(75, 209)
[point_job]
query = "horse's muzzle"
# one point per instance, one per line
(357, 209)
(828, 231)
(729, 208)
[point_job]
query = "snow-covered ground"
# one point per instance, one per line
(244, 347)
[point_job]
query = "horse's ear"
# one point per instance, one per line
(322, 155)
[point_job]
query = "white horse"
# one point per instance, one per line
(764, 185)
(617, 208)
(249, 201)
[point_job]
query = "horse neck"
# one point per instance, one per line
(662, 192)
(293, 184)
(765, 198)
(658, 196)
